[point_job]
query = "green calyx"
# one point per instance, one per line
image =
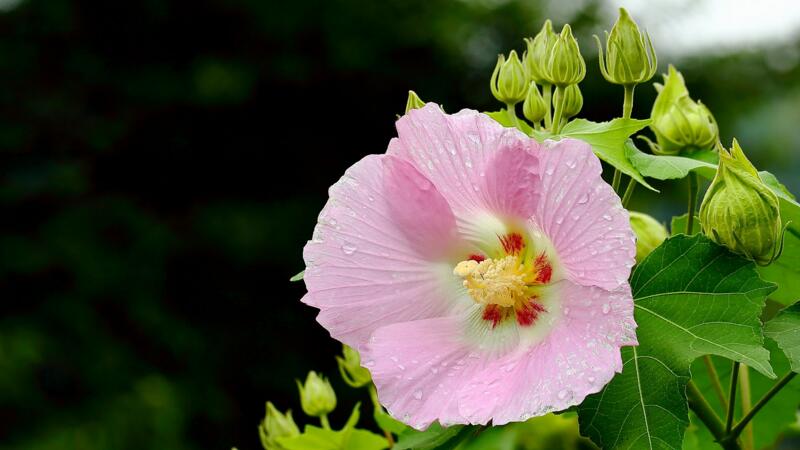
(679, 123)
(276, 425)
(413, 102)
(573, 101)
(538, 50)
(629, 57)
(316, 396)
(565, 65)
(509, 83)
(350, 368)
(534, 108)
(650, 233)
(740, 212)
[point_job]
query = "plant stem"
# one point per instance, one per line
(712, 372)
(627, 104)
(766, 398)
(546, 93)
(693, 189)
(323, 419)
(559, 110)
(732, 397)
(628, 192)
(700, 406)
(512, 114)
(747, 404)
(376, 404)
(617, 178)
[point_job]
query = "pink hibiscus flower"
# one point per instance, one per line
(482, 275)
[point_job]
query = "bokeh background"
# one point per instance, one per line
(162, 164)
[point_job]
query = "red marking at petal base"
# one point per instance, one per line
(544, 269)
(512, 243)
(528, 313)
(493, 314)
(476, 257)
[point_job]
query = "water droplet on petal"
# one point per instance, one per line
(571, 164)
(418, 394)
(348, 248)
(583, 199)
(606, 217)
(606, 308)
(562, 394)
(549, 170)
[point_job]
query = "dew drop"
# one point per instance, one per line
(562, 394)
(591, 380)
(571, 164)
(606, 217)
(583, 199)
(606, 308)
(549, 170)
(348, 248)
(418, 394)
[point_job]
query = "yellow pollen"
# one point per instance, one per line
(494, 281)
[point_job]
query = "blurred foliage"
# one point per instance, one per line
(163, 164)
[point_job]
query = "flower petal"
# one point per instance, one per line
(584, 217)
(369, 263)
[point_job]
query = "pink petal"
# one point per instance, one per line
(477, 164)
(369, 263)
(430, 370)
(584, 217)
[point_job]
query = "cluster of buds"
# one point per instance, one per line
(739, 211)
(680, 124)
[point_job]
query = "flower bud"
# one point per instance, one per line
(316, 396)
(537, 53)
(679, 123)
(351, 370)
(650, 233)
(630, 58)
(276, 425)
(739, 211)
(573, 100)
(534, 107)
(565, 64)
(414, 102)
(509, 82)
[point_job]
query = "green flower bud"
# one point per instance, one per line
(534, 107)
(351, 370)
(573, 100)
(538, 50)
(414, 102)
(565, 64)
(630, 58)
(650, 233)
(739, 211)
(679, 123)
(316, 396)
(509, 82)
(276, 425)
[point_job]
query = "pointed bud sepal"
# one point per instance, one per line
(276, 425)
(680, 124)
(316, 395)
(413, 102)
(650, 233)
(350, 368)
(740, 212)
(534, 108)
(565, 65)
(629, 55)
(509, 83)
(573, 101)
(537, 53)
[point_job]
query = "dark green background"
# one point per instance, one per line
(163, 163)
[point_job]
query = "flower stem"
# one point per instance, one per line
(693, 190)
(512, 114)
(766, 398)
(546, 93)
(700, 406)
(617, 178)
(712, 373)
(747, 405)
(627, 104)
(557, 125)
(732, 397)
(628, 192)
(323, 420)
(376, 404)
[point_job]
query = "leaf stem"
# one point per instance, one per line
(546, 93)
(693, 190)
(712, 372)
(747, 405)
(323, 420)
(376, 404)
(700, 406)
(628, 192)
(732, 397)
(616, 181)
(627, 103)
(766, 398)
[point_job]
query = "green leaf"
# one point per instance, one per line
(662, 167)
(691, 297)
(348, 438)
(435, 437)
(503, 119)
(387, 422)
(785, 330)
(770, 422)
(678, 225)
(299, 276)
(608, 141)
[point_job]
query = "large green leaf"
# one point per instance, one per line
(608, 141)
(785, 330)
(692, 297)
(663, 167)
